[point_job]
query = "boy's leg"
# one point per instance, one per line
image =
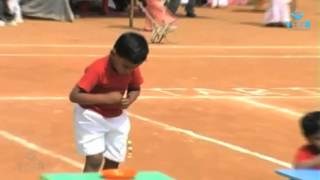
(116, 141)
(90, 129)
(93, 163)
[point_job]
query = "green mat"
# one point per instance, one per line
(142, 175)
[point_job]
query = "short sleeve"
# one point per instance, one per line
(302, 155)
(89, 79)
(137, 79)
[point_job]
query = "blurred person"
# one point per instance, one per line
(159, 12)
(121, 5)
(238, 2)
(2, 13)
(15, 10)
(258, 5)
(218, 3)
(278, 13)
(173, 6)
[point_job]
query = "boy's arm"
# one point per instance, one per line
(307, 164)
(77, 95)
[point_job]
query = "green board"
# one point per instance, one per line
(142, 175)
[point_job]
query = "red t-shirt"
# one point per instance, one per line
(99, 77)
(306, 152)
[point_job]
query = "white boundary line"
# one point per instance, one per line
(267, 106)
(175, 129)
(212, 140)
(192, 134)
(39, 149)
(161, 46)
(167, 56)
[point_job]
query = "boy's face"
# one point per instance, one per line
(121, 65)
(315, 140)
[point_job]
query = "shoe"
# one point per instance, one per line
(13, 23)
(273, 24)
(276, 24)
(281, 24)
(19, 20)
(191, 15)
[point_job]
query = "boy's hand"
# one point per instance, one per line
(125, 103)
(113, 97)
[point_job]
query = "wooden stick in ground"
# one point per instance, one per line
(131, 13)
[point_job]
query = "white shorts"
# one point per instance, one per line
(97, 134)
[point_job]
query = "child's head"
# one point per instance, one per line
(129, 51)
(310, 125)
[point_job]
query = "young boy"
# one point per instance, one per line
(308, 156)
(108, 86)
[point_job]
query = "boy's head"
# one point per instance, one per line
(129, 51)
(310, 125)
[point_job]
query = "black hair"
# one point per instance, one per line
(132, 47)
(310, 123)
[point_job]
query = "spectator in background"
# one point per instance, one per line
(159, 13)
(121, 5)
(238, 2)
(278, 14)
(2, 11)
(218, 3)
(189, 7)
(259, 5)
(15, 10)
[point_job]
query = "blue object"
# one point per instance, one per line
(300, 174)
(297, 15)
(288, 24)
(307, 24)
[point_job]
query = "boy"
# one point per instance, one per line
(108, 86)
(308, 156)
